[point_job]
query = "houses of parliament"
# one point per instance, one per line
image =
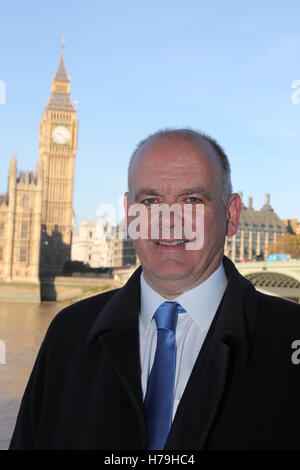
(36, 212)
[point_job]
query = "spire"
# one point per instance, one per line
(267, 199)
(60, 91)
(13, 162)
(61, 73)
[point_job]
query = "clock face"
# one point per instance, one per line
(61, 135)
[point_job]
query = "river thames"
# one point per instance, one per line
(22, 329)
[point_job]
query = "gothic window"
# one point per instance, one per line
(22, 254)
(25, 202)
(23, 230)
(1, 229)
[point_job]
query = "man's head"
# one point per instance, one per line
(182, 167)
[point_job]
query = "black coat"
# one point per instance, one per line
(244, 391)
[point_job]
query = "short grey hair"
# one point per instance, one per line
(192, 136)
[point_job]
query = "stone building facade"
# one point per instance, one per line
(20, 224)
(292, 226)
(91, 243)
(256, 232)
(123, 252)
(36, 212)
(101, 245)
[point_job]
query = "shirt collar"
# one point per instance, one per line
(200, 303)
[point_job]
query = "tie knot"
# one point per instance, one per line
(166, 315)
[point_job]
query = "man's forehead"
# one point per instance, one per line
(180, 159)
(155, 146)
(184, 189)
(180, 168)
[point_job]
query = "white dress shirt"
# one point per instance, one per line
(201, 304)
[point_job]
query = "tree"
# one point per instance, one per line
(288, 244)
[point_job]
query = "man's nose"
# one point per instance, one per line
(174, 221)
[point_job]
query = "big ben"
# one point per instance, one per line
(57, 151)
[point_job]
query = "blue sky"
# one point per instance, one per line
(225, 68)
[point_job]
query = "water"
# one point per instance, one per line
(22, 328)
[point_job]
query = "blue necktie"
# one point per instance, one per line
(158, 401)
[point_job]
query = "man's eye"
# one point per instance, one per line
(149, 201)
(193, 200)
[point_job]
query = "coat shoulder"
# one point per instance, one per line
(78, 317)
(278, 306)
(277, 314)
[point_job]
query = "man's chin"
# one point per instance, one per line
(170, 275)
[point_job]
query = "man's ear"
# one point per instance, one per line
(233, 211)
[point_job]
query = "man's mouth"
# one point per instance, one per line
(171, 243)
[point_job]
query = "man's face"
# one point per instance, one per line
(170, 170)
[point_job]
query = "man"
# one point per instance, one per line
(187, 355)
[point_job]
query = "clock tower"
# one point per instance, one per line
(57, 151)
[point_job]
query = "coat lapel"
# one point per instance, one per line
(230, 332)
(116, 329)
(200, 402)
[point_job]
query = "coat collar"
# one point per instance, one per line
(237, 317)
(121, 311)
